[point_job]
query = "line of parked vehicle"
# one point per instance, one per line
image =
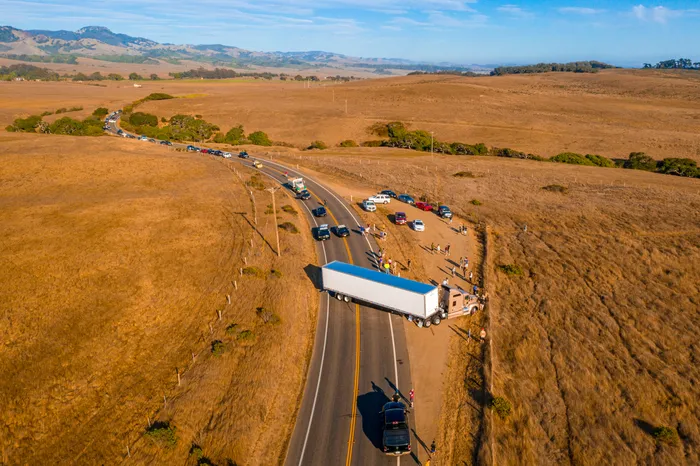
(385, 197)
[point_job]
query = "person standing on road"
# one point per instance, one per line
(432, 248)
(438, 248)
(408, 265)
(411, 395)
(432, 448)
(387, 268)
(471, 277)
(482, 335)
(447, 250)
(454, 271)
(394, 268)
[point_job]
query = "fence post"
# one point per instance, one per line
(178, 376)
(235, 284)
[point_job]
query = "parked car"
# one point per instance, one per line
(243, 154)
(406, 198)
(216, 152)
(304, 195)
(368, 205)
(226, 155)
(119, 131)
(424, 206)
(130, 136)
(444, 211)
(323, 232)
(396, 438)
(166, 143)
(400, 218)
(320, 211)
(380, 198)
(143, 138)
(204, 151)
(257, 164)
(418, 225)
(389, 193)
(342, 231)
(151, 140)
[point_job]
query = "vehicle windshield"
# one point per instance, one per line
(397, 438)
(369, 202)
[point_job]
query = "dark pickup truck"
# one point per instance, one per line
(397, 438)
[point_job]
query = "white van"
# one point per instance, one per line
(380, 198)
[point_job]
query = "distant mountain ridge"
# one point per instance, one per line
(101, 43)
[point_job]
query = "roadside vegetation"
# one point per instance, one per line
(90, 126)
(398, 135)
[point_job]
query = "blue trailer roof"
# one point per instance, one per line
(380, 277)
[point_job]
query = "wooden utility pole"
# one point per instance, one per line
(274, 214)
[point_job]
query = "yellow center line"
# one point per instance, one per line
(356, 382)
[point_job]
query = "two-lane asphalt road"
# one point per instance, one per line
(359, 358)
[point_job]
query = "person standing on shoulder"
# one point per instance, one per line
(471, 277)
(411, 395)
(482, 335)
(408, 264)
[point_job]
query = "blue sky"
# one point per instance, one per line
(483, 31)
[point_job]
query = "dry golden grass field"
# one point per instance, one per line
(114, 261)
(611, 113)
(596, 343)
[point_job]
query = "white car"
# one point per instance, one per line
(380, 198)
(418, 225)
(368, 205)
(226, 155)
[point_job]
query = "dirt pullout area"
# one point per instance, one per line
(611, 113)
(593, 310)
(115, 261)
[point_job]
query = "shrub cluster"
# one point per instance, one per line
(348, 143)
(289, 227)
(163, 434)
(218, 348)
(464, 174)
(268, 316)
(320, 145)
(501, 406)
(556, 188)
(510, 269)
(666, 434)
(90, 126)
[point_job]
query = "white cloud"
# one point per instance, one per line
(514, 10)
(441, 20)
(657, 14)
(576, 10)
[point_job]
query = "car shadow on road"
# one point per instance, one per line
(370, 405)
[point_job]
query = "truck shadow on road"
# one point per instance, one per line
(370, 406)
(314, 274)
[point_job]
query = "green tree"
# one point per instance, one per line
(81, 77)
(154, 77)
(235, 135)
(96, 76)
(135, 76)
(600, 161)
(100, 112)
(25, 125)
(115, 77)
(259, 138)
(143, 119)
(640, 161)
(679, 167)
(572, 158)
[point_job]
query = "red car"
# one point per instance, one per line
(424, 206)
(400, 218)
(204, 151)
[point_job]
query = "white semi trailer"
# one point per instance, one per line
(419, 301)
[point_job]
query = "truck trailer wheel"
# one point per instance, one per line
(339, 296)
(426, 323)
(346, 299)
(436, 319)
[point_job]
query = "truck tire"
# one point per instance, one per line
(339, 296)
(473, 310)
(436, 319)
(346, 299)
(426, 323)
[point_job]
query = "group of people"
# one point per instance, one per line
(386, 265)
(372, 229)
(446, 250)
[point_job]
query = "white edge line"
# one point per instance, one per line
(391, 325)
(325, 338)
